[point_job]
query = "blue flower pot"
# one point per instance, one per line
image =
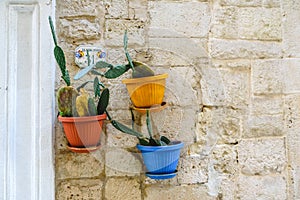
(161, 159)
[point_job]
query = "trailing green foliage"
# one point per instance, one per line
(162, 141)
(59, 56)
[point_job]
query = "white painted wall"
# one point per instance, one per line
(26, 103)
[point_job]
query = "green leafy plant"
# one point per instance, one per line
(76, 102)
(146, 141)
(113, 71)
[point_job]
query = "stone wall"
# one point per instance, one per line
(233, 92)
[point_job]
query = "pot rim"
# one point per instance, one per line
(176, 145)
(82, 119)
(145, 79)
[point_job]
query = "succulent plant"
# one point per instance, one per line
(66, 98)
(71, 102)
(139, 69)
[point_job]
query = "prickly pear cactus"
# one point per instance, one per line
(141, 70)
(92, 107)
(82, 103)
(66, 98)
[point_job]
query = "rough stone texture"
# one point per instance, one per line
(117, 9)
(72, 8)
(235, 23)
(252, 3)
(233, 92)
(233, 87)
(72, 165)
(79, 29)
(192, 169)
(79, 189)
(177, 51)
(263, 125)
(120, 162)
(192, 192)
(291, 14)
(234, 49)
(114, 31)
(267, 77)
(262, 156)
(122, 189)
(138, 9)
(219, 126)
(185, 19)
(262, 187)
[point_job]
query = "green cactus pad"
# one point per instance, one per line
(66, 98)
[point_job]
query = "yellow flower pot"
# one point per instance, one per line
(147, 91)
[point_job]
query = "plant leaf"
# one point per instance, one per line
(116, 71)
(52, 30)
(141, 70)
(103, 101)
(143, 141)
(125, 41)
(83, 72)
(165, 140)
(153, 142)
(149, 125)
(125, 129)
(101, 64)
(96, 73)
(96, 87)
(83, 85)
(92, 107)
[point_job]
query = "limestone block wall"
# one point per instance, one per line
(233, 92)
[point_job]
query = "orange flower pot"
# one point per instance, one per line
(83, 132)
(147, 91)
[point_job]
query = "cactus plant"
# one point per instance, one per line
(71, 102)
(113, 71)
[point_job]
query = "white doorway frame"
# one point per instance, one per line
(27, 76)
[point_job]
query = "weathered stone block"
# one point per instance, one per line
(247, 23)
(267, 77)
(252, 3)
(182, 86)
(262, 156)
(138, 9)
(117, 9)
(234, 49)
(175, 123)
(192, 169)
(119, 162)
(225, 159)
(79, 29)
(74, 165)
(219, 125)
(114, 32)
(183, 19)
(265, 105)
(191, 192)
(122, 189)
(291, 75)
(79, 189)
(263, 125)
(233, 87)
(261, 187)
(291, 15)
(70, 8)
(177, 51)
(117, 138)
